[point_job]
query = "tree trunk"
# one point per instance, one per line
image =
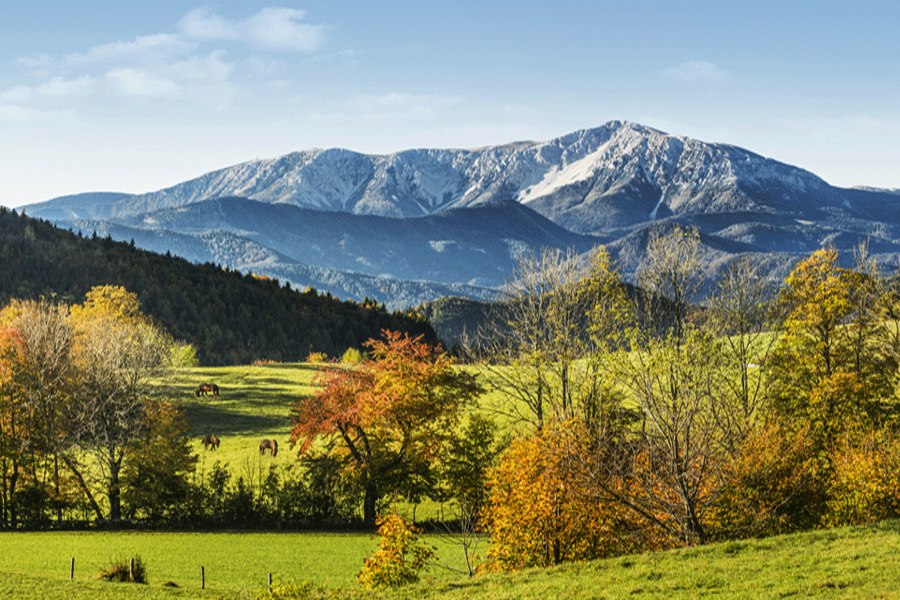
(369, 502)
(84, 487)
(115, 494)
(56, 484)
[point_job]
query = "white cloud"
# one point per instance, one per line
(277, 29)
(155, 46)
(11, 113)
(200, 24)
(61, 87)
(135, 82)
(203, 69)
(34, 61)
(15, 94)
(699, 71)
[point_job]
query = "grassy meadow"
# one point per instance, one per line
(857, 562)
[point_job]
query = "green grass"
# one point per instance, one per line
(861, 562)
(857, 562)
(36, 564)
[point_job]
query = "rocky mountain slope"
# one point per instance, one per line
(460, 217)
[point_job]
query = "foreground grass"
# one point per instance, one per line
(237, 564)
(858, 562)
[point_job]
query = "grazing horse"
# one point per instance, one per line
(207, 388)
(268, 444)
(211, 441)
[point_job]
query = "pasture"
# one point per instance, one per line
(851, 562)
(36, 564)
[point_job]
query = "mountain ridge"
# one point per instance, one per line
(379, 215)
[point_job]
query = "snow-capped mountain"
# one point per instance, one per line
(615, 182)
(616, 175)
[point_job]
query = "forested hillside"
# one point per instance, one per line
(228, 316)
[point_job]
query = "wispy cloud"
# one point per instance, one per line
(273, 29)
(156, 47)
(699, 71)
(391, 107)
(136, 82)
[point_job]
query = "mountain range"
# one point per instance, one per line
(419, 224)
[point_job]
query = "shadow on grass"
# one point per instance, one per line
(218, 420)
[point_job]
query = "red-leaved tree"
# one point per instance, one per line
(387, 418)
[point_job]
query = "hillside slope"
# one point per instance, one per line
(231, 318)
(851, 562)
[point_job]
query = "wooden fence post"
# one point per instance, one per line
(202, 578)
(72, 569)
(270, 582)
(131, 570)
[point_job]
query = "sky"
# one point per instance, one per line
(135, 96)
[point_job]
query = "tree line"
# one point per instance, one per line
(229, 317)
(660, 421)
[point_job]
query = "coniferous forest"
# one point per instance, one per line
(228, 316)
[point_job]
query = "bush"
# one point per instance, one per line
(121, 571)
(865, 482)
(401, 555)
(542, 509)
(290, 591)
(316, 357)
(774, 485)
(352, 356)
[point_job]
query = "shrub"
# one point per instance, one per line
(304, 590)
(774, 485)
(401, 555)
(865, 482)
(121, 571)
(316, 357)
(352, 356)
(542, 509)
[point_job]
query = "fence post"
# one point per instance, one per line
(270, 582)
(202, 577)
(131, 570)
(72, 569)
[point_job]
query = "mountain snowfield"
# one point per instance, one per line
(610, 184)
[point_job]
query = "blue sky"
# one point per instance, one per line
(133, 96)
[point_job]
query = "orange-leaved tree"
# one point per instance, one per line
(389, 417)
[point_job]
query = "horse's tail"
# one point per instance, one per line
(274, 447)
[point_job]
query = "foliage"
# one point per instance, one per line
(157, 473)
(389, 418)
(400, 557)
(836, 363)
(772, 485)
(542, 509)
(352, 357)
(466, 461)
(865, 485)
(121, 571)
(316, 357)
(229, 317)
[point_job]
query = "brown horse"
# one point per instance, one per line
(211, 441)
(267, 444)
(207, 388)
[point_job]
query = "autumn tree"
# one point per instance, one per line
(544, 508)
(117, 351)
(159, 463)
(740, 312)
(541, 353)
(671, 276)
(835, 363)
(43, 373)
(389, 417)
